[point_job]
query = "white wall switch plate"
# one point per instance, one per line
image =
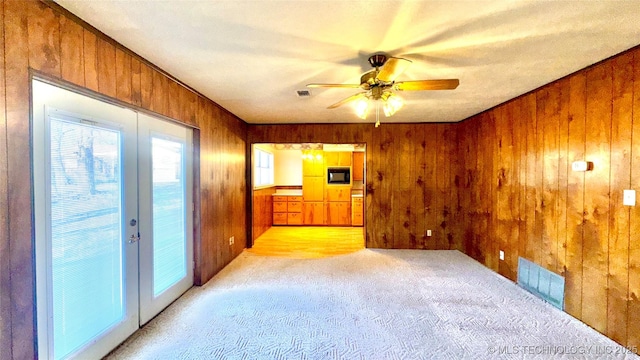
(501, 255)
(428, 232)
(629, 198)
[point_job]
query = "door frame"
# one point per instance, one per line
(195, 175)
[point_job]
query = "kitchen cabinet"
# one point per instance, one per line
(287, 210)
(337, 158)
(338, 193)
(313, 163)
(357, 211)
(338, 213)
(313, 213)
(358, 166)
(313, 188)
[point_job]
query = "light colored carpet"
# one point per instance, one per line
(372, 304)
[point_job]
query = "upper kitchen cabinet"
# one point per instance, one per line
(312, 163)
(358, 166)
(337, 158)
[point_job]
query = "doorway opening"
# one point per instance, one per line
(313, 188)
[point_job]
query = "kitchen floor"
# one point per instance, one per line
(303, 242)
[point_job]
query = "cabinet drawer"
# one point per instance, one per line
(279, 218)
(294, 218)
(279, 206)
(294, 207)
(294, 198)
(280, 198)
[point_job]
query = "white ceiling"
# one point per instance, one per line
(250, 56)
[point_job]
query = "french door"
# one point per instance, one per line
(112, 196)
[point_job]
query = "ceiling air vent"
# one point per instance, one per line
(303, 93)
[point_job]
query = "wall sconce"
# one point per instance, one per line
(582, 166)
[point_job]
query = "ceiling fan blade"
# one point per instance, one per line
(349, 99)
(442, 84)
(350, 86)
(392, 69)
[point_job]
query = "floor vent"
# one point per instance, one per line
(541, 282)
(303, 93)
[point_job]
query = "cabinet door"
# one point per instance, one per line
(312, 188)
(357, 212)
(331, 158)
(344, 158)
(339, 213)
(338, 193)
(313, 213)
(358, 166)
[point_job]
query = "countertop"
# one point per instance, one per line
(285, 192)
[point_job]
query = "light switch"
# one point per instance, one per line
(629, 198)
(501, 255)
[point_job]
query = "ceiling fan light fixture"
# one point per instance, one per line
(392, 104)
(362, 107)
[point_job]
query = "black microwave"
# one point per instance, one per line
(339, 175)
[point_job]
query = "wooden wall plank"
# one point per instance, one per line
(19, 195)
(430, 187)
(618, 246)
(372, 196)
(575, 195)
(386, 185)
(596, 199)
(90, 55)
(404, 236)
(44, 38)
(173, 101)
(548, 117)
(71, 51)
(106, 68)
(633, 309)
(442, 197)
(136, 83)
(123, 76)
(563, 173)
(146, 86)
(420, 186)
(5, 250)
(159, 93)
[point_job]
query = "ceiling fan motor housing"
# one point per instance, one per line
(377, 60)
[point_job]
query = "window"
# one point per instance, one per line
(263, 168)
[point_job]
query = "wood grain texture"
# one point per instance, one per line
(90, 56)
(262, 211)
(633, 309)
(44, 38)
(56, 44)
(5, 246)
(123, 76)
(575, 195)
(19, 196)
(596, 220)
(107, 78)
(571, 222)
(71, 51)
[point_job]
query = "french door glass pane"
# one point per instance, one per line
(86, 233)
(169, 221)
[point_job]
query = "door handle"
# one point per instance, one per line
(133, 238)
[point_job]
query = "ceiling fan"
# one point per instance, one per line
(380, 84)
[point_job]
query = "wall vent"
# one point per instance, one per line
(303, 93)
(541, 282)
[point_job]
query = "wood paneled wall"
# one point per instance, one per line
(409, 177)
(262, 211)
(42, 37)
(519, 194)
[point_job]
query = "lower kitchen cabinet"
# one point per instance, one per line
(313, 213)
(338, 213)
(357, 211)
(287, 210)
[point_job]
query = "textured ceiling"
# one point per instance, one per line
(251, 56)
